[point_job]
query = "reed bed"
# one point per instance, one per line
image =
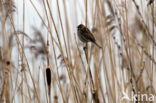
(42, 59)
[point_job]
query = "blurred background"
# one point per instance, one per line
(43, 61)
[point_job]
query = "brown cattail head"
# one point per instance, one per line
(48, 76)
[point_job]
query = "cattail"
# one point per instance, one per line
(48, 76)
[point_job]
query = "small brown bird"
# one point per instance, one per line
(85, 35)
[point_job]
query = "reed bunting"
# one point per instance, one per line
(85, 35)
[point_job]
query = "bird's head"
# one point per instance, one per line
(80, 26)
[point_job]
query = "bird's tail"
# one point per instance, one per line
(97, 45)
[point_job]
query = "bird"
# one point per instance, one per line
(85, 35)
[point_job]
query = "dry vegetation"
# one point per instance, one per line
(46, 63)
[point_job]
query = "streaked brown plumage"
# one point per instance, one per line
(85, 35)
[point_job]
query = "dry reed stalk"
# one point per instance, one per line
(125, 63)
(20, 45)
(7, 8)
(60, 88)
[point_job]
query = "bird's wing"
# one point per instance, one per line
(89, 35)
